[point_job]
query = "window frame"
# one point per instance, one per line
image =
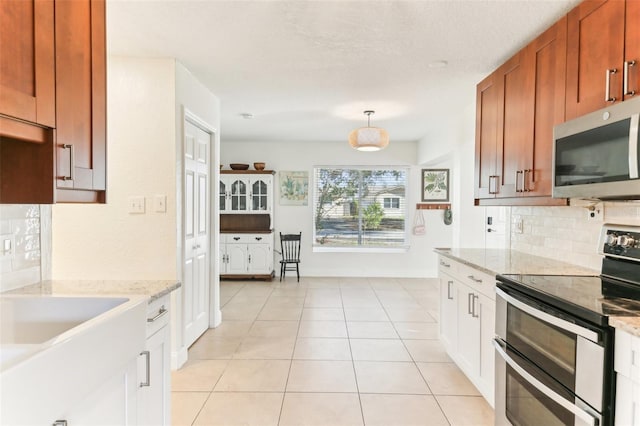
(402, 248)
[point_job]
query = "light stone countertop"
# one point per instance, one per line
(629, 324)
(154, 289)
(502, 261)
(498, 261)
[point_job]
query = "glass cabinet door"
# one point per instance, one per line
(259, 195)
(223, 195)
(238, 195)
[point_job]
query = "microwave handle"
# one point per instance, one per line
(577, 411)
(633, 146)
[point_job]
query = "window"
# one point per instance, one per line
(359, 208)
(391, 203)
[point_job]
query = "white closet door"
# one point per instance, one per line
(197, 233)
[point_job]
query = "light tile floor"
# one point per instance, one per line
(326, 351)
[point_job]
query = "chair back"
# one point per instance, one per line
(290, 246)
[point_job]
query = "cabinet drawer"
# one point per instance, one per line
(157, 314)
(447, 266)
(245, 238)
(479, 281)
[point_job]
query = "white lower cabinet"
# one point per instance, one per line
(627, 367)
(154, 368)
(246, 254)
(467, 322)
(112, 403)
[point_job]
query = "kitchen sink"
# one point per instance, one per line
(29, 320)
(55, 350)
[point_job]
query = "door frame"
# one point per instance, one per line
(180, 355)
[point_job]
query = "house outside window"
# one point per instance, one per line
(391, 203)
(360, 208)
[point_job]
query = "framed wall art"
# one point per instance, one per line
(294, 188)
(435, 185)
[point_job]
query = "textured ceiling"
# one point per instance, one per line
(307, 69)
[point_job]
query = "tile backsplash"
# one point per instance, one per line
(20, 245)
(566, 233)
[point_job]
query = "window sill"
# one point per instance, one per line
(323, 249)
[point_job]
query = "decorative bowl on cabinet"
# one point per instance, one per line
(238, 166)
(258, 166)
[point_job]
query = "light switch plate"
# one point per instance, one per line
(136, 205)
(160, 203)
(7, 245)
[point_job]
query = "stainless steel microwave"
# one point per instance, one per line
(596, 156)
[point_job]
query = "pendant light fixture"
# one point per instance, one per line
(369, 138)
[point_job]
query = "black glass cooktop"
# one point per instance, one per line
(581, 296)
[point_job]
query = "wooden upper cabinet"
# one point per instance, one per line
(632, 48)
(517, 107)
(515, 121)
(595, 55)
(81, 99)
(27, 88)
(548, 54)
(486, 181)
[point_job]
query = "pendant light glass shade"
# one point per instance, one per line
(369, 138)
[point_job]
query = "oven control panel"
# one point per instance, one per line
(621, 241)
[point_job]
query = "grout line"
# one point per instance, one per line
(353, 362)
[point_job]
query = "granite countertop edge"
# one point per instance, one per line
(153, 289)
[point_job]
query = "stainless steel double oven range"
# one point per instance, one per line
(554, 345)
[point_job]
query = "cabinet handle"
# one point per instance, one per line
(236, 238)
(147, 355)
(473, 306)
(249, 258)
(446, 265)
(449, 296)
(472, 278)
(72, 162)
(161, 312)
(59, 423)
(627, 65)
(518, 172)
(258, 238)
(607, 88)
(469, 302)
(491, 179)
(525, 174)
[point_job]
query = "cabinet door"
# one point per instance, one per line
(548, 56)
(239, 194)
(487, 312)
(27, 65)
(486, 181)
(632, 48)
(113, 403)
(260, 193)
(224, 194)
(260, 258)
(468, 332)
(236, 258)
(449, 313)
(80, 96)
(515, 122)
(153, 399)
(595, 47)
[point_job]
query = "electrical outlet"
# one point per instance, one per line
(595, 212)
(7, 245)
(136, 205)
(519, 226)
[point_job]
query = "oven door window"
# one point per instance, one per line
(543, 344)
(526, 405)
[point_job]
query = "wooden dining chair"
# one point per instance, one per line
(290, 251)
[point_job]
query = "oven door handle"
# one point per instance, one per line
(577, 411)
(543, 316)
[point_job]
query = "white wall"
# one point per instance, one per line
(105, 241)
(419, 261)
(20, 224)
